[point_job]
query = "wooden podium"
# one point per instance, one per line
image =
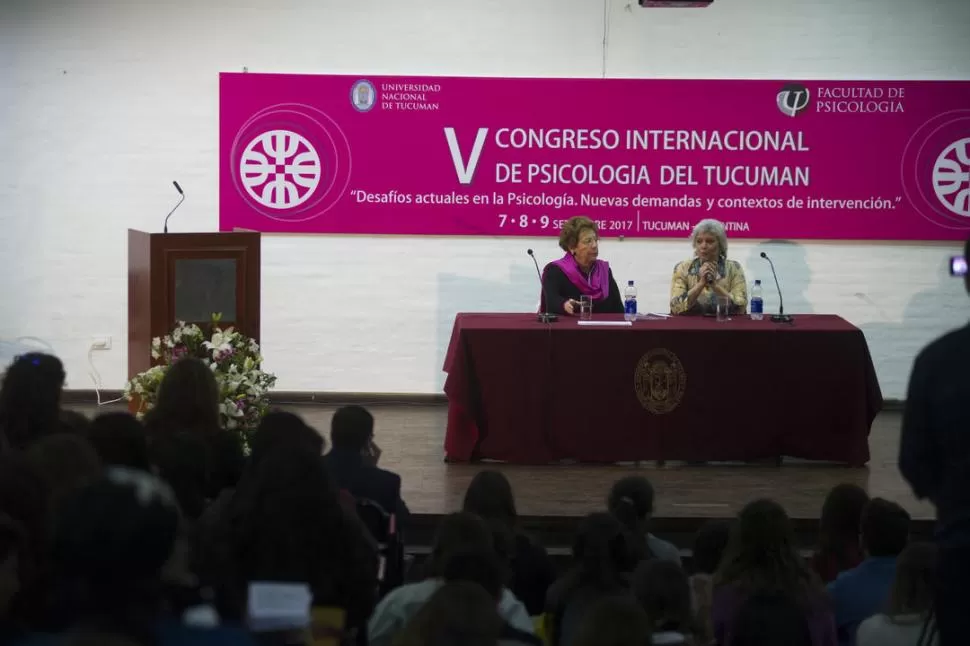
(186, 277)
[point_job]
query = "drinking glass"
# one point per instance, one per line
(723, 308)
(585, 307)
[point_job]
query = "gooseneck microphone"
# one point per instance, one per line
(780, 317)
(181, 199)
(542, 317)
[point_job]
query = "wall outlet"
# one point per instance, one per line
(101, 342)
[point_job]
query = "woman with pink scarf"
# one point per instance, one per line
(578, 273)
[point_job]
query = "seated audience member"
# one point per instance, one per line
(30, 399)
(352, 462)
(761, 559)
(861, 592)
(457, 532)
(839, 545)
(908, 619)
(13, 545)
(709, 545)
(276, 430)
(614, 621)
(603, 561)
(24, 498)
(771, 619)
(579, 272)
(285, 523)
(631, 501)
(119, 439)
(113, 540)
(458, 613)
(188, 400)
(487, 569)
(697, 283)
(73, 422)
(532, 572)
(65, 462)
(662, 589)
(180, 459)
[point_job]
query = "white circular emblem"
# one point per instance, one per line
(280, 169)
(951, 177)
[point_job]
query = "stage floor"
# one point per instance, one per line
(411, 438)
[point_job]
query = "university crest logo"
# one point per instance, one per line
(660, 381)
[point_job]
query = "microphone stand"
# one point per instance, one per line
(177, 204)
(542, 317)
(780, 317)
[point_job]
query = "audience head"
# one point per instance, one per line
(771, 619)
(352, 429)
(841, 515)
(490, 496)
(709, 545)
(457, 532)
(614, 621)
(112, 539)
(885, 528)
(287, 522)
(914, 586)
(120, 528)
(120, 440)
(30, 399)
(65, 462)
(188, 399)
(280, 429)
(477, 565)
(13, 540)
(761, 554)
(631, 500)
(602, 550)
(459, 613)
(663, 591)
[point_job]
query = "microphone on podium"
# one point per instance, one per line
(780, 317)
(181, 199)
(542, 317)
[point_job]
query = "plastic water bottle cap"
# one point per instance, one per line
(757, 282)
(629, 282)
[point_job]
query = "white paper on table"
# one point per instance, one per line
(606, 323)
(278, 606)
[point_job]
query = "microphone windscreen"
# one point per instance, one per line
(529, 251)
(178, 188)
(764, 255)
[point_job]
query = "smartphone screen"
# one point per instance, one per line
(958, 266)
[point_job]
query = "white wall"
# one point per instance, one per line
(105, 102)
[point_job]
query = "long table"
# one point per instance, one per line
(681, 388)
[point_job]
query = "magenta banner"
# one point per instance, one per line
(851, 160)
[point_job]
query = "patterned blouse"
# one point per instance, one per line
(687, 275)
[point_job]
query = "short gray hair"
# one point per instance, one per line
(715, 228)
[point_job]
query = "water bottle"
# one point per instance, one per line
(757, 302)
(630, 302)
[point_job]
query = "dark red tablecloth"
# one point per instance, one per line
(527, 392)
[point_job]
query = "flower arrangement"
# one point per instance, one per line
(234, 359)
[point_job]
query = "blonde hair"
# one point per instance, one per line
(569, 236)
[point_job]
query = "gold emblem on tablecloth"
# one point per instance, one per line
(660, 381)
